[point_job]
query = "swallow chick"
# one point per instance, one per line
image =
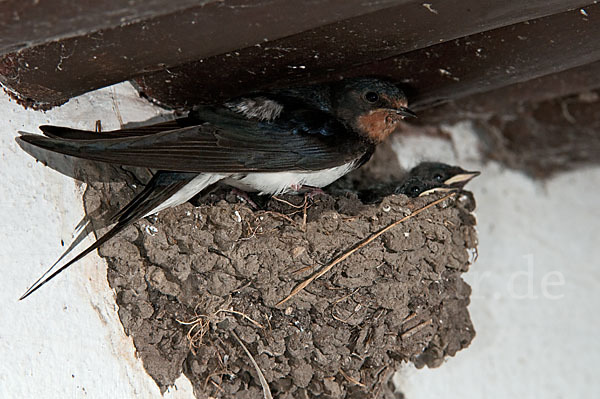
(424, 179)
(272, 142)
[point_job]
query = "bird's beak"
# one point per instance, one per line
(405, 112)
(401, 111)
(461, 179)
(456, 182)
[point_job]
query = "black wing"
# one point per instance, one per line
(300, 139)
(66, 133)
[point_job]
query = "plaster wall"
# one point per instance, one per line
(534, 301)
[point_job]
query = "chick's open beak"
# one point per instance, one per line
(459, 180)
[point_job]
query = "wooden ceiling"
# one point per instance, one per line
(474, 58)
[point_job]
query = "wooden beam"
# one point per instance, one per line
(29, 23)
(225, 48)
(53, 72)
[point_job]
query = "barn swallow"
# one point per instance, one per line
(271, 142)
(424, 179)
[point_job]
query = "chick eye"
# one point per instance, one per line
(415, 190)
(438, 177)
(371, 96)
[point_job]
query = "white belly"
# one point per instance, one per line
(281, 182)
(264, 183)
(198, 184)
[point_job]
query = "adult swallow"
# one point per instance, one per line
(424, 179)
(271, 142)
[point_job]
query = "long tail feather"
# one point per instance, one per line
(41, 281)
(161, 188)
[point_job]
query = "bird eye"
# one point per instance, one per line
(416, 190)
(438, 177)
(371, 96)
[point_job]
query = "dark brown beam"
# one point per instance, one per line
(363, 46)
(54, 72)
(483, 106)
(29, 23)
(498, 58)
(493, 59)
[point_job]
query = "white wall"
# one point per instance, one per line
(536, 284)
(65, 341)
(534, 339)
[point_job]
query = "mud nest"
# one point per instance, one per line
(191, 279)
